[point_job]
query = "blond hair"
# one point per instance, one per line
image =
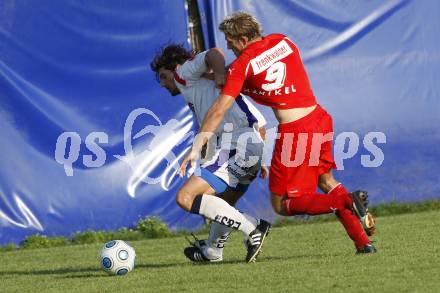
(240, 24)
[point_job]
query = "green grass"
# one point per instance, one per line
(299, 258)
(153, 227)
(384, 209)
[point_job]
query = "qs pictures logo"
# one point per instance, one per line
(142, 160)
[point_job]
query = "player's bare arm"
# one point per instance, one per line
(215, 59)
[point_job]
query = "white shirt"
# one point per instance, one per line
(200, 93)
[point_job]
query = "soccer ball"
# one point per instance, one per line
(117, 257)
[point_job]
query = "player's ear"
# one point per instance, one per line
(243, 40)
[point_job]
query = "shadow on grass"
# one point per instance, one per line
(62, 271)
(102, 274)
(95, 272)
(86, 272)
(266, 259)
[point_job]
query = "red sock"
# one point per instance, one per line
(338, 201)
(316, 203)
(342, 191)
(353, 227)
(349, 220)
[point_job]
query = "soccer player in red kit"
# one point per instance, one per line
(269, 70)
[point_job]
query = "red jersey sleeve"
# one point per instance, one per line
(236, 76)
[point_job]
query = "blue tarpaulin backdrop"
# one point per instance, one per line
(89, 139)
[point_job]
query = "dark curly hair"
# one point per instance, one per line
(168, 57)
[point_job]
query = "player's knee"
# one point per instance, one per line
(278, 204)
(326, 182)
(279, 210)
(184, 199)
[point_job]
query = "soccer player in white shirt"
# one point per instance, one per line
(232, 160)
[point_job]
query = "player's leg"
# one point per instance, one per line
(328, 184)
(195, 196)
(212, 248)
(277, 201)
(238, 171)
(191, 198)
(231, 195)
(218, 233)
(185, 198)
(309, 203)
(192, 187)
(318, 204)
(293, 187)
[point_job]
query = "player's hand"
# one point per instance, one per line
(191, 158)
(264, 172)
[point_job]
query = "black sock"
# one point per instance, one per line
(195, 208)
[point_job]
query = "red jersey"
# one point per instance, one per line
(271, 72)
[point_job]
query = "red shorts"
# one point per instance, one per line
(302, 152)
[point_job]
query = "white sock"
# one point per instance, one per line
(218, 235)
(251, 219)
(218, 210)
(254, 221)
